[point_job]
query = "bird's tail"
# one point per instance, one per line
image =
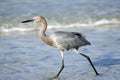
(86, 41)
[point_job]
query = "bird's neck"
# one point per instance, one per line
(43, 28)
(42, 34)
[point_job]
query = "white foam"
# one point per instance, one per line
(20, 27)
(86, 25)
(16, 29)
(105, 21)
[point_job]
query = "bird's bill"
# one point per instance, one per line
(30, 20)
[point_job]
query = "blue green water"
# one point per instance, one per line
(62, 13)
(23, 56)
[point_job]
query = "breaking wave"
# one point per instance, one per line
(32, 27)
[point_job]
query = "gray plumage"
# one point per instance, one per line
(69, 40)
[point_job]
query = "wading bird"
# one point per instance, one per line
(64, 41)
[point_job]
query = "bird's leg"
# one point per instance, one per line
(62, 65)
(88, 58)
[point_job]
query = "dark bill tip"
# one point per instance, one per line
(31, 20)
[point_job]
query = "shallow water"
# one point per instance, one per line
(23, 56)
(26, 57)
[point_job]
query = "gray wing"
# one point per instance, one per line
(69, 40)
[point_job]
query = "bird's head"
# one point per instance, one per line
(34, 19)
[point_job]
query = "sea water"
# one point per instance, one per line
(59, 14)
(23, 56)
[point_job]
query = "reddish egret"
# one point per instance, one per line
(64, 41)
